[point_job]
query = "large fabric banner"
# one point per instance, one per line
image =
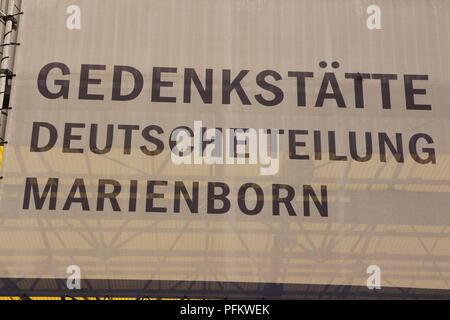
(266, 141)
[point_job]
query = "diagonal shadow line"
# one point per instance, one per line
(133, 236)
(438, 269)
(164, 259)
(339, 237)
(305, 234)
(252, 258)
(117, 234)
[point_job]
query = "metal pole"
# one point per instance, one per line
(3, 8)
(6, 63)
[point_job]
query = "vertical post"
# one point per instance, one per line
(3, 8)
(6, 60)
